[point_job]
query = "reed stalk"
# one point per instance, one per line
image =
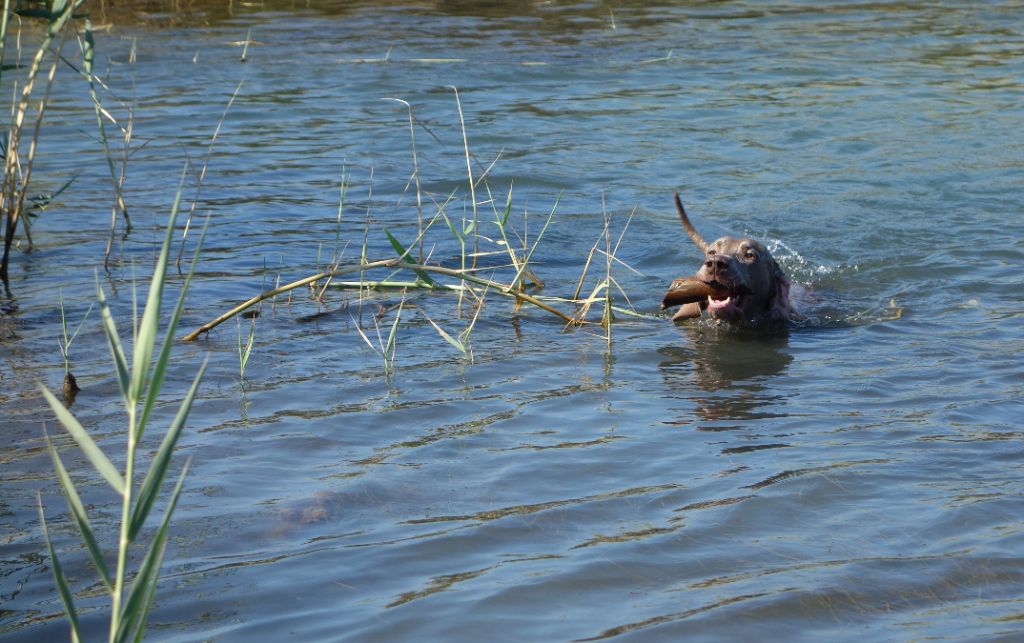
(469, 173)
(140, 381)
(466, 276)
(415, 178)
(87, 46)
(17, 167)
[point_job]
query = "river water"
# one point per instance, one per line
(856, 477)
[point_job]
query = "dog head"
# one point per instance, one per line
(750, 287)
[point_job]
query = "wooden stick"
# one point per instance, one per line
(384, 263)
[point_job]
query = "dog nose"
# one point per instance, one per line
(716, 264)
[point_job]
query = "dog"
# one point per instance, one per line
(738, 282)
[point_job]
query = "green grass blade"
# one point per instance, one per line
(363, 335)
(451, 226)
(80, 324)
(136, 608)
(508, 209)
(61, 189)
(62, 582)
(448, 338)
(599, 288)
(63, 321)
(146, 340)
(245, 351)
(81, 518)
(161, 461)
(389, 348)
(464, 335)
(160, 370)
(536, 242)
(403, 254)
(147, 603)
(91, 450)
(116, 351)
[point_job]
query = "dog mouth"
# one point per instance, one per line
(726, 301)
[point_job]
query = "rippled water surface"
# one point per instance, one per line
(859, 476)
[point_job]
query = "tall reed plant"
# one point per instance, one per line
(140, 381)
(17, 160)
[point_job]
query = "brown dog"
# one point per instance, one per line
(738, 282)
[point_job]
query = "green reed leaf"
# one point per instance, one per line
(147, 603)
(160, 370)
(403, 255)
(140, 599)
(508, 209)
(536, 242)
(389, 348)
(96, 456)
(162, 460)
(114, 341)
(80, 515)
(448, 338)
(451, 226)
(61, 580)
(146, 340)
(245, 350)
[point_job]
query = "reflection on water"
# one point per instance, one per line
(855, 477)
(727, 357)
(732, 369)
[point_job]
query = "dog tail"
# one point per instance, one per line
(690, 230)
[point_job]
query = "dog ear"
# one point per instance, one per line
(778, 303)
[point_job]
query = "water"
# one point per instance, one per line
(856, 477)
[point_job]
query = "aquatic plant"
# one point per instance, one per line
(87, 45)
(384, 349)
(17, 162)
(602, 291)
(515, 279)
(140, 382)
(70, 384)
(245, 348)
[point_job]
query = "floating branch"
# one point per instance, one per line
(397, 263)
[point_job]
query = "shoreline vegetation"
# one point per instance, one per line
(509, 273)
